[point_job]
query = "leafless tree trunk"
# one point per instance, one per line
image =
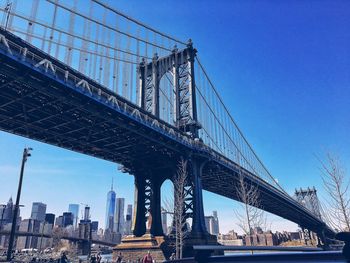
(180, 180)
(252, 216)
(336, 185)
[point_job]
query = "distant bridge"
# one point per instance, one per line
(98, 91)
(73, 239)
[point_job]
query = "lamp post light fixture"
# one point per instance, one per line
(26, 154)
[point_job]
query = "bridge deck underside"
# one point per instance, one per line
(36, 106)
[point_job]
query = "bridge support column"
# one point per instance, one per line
(147, 236)
(147, 207)
(139, 222)
(155, 212)
(198, 223)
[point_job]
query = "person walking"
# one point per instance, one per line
(93, 258)
(120, 257)
(64, 258)
(99, 257)
(147, 258)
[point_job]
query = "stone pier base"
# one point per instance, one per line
(134, 248)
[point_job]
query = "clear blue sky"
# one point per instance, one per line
(283, 69)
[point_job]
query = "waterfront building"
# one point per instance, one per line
(230, 239)
(119, 216)
(110, 209)
(74, 209)
(38, 211)
(128, 220)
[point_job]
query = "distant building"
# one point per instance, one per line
(32, 226)
(7, 213)
(87, 213)
(38, 211)
(59, 221)
(215, 224)
(84, 229)
(164, 221)
(110, 209)
(45, 228)
(230, 239)
(212, 223)
(94, 226)
(68, 219)
(74, 209)
(261, 238)
(119, 216)
(128, 220)
(50, 218)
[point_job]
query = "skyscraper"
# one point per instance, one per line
(128, 220)
(164, 221)
(119, 216)
(215, 223)
(110, 209)
(94, 225)
(50, 218)
(74, 209)
(86, 214)
(38, 211)
(8, 212)
(68, 219)
(212, 223)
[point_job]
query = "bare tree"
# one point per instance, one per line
(336, 185)
(251, 216)
(180, 181)
(57, 234)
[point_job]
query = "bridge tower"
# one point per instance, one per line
(308, 198)
(180, 63)
(147, 226)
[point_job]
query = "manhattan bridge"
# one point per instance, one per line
(85, 77)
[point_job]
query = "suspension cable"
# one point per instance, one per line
(240, 132)
(137, 22)
(106, 26)
(76, 36)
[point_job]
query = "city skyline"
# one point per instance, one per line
(277, 102)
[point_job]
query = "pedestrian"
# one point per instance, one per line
(147, 258)
(120, 257)
(64, 258)
(93, 258)
(98, 258)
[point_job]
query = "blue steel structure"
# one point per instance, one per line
(147, 130)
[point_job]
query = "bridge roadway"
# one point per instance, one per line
(49, 102)
(73, 239)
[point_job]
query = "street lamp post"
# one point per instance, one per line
(26, 154)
